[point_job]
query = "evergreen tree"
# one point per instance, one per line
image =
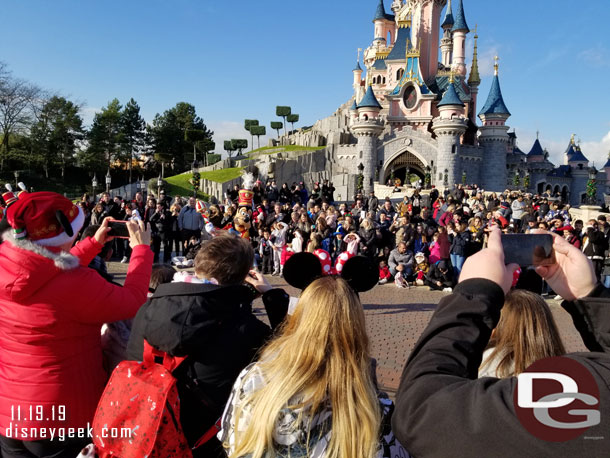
(55, 134)
(134, 132)
(106, 138)
(168, 135)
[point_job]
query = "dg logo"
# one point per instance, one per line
(557, 399)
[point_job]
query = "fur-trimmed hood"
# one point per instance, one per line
(25, 267)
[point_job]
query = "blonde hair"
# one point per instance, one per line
(333, 367)
(525, 333)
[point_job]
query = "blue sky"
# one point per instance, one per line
(239, 59)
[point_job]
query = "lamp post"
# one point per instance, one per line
(196, 176)
(360, 186)
(17, 179)
(592, 187)
(108, 180)
(94, 185)
(159, 184)
(143, 187)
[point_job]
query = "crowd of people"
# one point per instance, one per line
(305, 384)
(422, 240)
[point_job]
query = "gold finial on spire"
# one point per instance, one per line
(451, 77)
(496, 65)
(573, 139)
(537, 135)
(475, 78)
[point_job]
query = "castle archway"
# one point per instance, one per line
(403, 163)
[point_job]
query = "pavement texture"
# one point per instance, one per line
(395, 318)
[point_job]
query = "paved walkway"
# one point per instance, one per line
(396, 318)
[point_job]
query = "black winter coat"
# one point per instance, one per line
(215, 327)
(440, 395)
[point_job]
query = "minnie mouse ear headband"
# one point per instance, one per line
(301, 269)
(45, 218)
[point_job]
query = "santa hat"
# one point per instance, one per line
(45, 218)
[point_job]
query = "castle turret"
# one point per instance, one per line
(460, 30)
(357, 79)
(607, 172)
(367, 127)
(447, 40)
(536, 154)
(384, 24)
(449, 127)
(474, 80)
(353, 111)
(494, 137)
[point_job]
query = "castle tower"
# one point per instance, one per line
(460, 30)
(447, 40)
(494, 137)
(426, 19)
(384, 24)
(449, 127)
(474, 80)
(367, 127)
(357, 80)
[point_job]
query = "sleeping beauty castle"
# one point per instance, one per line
(416, 110)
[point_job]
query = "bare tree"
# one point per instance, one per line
(19, 102)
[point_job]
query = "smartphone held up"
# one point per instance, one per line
(118, 229)
(528, 249)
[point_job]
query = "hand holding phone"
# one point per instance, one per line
(118, 229)
(528, 249)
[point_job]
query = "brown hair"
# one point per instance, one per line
(161, 273)
(225, 258)
(525, 333)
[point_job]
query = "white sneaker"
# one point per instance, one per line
(124, 260)
(419, 282)
(558, 298)
(383, 281)
(447, 290)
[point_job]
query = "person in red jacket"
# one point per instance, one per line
(52, 307)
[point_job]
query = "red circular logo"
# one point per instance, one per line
(557, 399)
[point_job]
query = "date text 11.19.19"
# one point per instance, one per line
(38, 413)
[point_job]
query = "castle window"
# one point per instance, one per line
(360, 154)
(400, 73)
(384, 80)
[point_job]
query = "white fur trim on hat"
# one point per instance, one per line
(63, 260)
(64, 238)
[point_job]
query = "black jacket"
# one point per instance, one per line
(443, 409)
(216, 328)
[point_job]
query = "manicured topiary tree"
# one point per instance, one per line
(292, 118)
(277, 125)
(249, 123)
(239, 144)
(283, 112)
(257, 131)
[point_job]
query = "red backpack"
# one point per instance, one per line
(139, 412)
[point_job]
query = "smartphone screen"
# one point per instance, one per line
(118, 229)
(528, 249)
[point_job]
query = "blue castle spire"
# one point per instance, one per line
(448, 22)
(495, 102)
(369, 100)
(451, 97)
(536, 149)
(460, 19)
(380, 13)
